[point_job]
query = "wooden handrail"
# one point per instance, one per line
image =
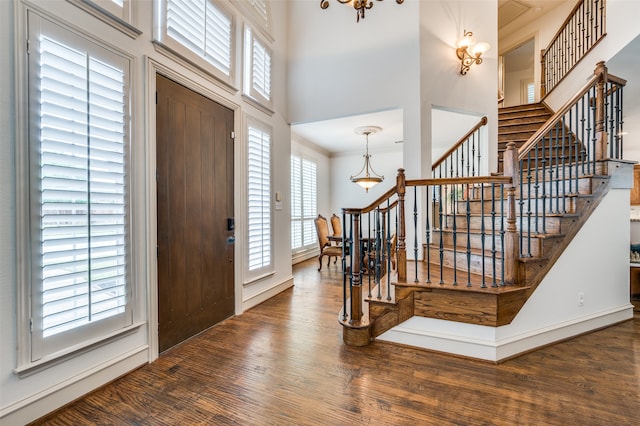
(482, 122)
(562, 26)
(599, 74)
(469, 180)
(571, 44)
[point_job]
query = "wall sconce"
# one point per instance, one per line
(359, 5)
(469, 52)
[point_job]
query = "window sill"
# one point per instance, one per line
(107, 17)
(258, 105)
(59, 357)
(255, 279)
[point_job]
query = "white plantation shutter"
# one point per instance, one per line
(303, 203)
(261, 75)
(258, 197)
(79, 190)
(257, 81)
(296, 203)
(204, 28)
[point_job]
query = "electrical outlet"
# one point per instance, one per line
(580, 299)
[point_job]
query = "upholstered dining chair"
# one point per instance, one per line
(326, 248)
(336, 225)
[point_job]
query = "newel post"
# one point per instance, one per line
(511, 163)
(401, 251)
(356, 280)
(543, 75)
(512, 248)
(601, 133)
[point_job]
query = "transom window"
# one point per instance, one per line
(201, 31)
(257, 69)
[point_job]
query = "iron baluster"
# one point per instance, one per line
(454, 196)
(482, 235)
(415, 232)
(493, 235)
(441, 248)
(468, 213)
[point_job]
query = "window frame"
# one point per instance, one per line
(250, 38)
(33, 352)
(121, 18)
(176, 50)
(268, 269)
(303, 218)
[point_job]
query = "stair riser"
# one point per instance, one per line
(464, 263)
(553, 223)
(549, 205)
(474, 240)
(549, 188)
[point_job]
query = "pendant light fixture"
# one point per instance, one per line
(367, 177)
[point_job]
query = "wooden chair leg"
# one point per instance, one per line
(320, 262)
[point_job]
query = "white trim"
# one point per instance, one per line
(266, 294)
(47, 400)
(123, 24)
(154, 67)
(441, 337)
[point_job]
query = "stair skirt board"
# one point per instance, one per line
(482, 342)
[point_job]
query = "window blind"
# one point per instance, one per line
(261, 72)
(259, 196)
(203, 28)
(82, 192)
(303, 202)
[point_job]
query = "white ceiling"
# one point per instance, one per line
(339, 136)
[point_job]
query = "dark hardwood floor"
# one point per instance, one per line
(284, 363)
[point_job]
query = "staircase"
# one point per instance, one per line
(491, 240)
(518, 123)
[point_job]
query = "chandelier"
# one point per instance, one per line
(359, 5)
(367, 177)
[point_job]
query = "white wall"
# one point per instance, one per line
(340, 68)
(33, 396)
(552, 313)
(442, 22)
(345, 193)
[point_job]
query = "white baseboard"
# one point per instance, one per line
(50, 399)
(486, 346)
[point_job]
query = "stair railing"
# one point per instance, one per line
(549, 170)
(579, 33)
(474, 215)
(463, 158)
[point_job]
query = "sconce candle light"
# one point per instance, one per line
(469, 52)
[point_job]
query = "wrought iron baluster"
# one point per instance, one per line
(441, 248)
(493, 235)
(454, 212)
(502, 219)
(482, 236)
(468, 214)
(415, 232)
(430, 212)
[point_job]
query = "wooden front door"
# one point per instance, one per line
(195, 212)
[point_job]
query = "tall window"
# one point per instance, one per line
(303, 203)
(257, 72)
(202, 31)
(79, 193)
(259, 198)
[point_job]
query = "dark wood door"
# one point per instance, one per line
(195, 202)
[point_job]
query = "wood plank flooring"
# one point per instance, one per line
(284, 363)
